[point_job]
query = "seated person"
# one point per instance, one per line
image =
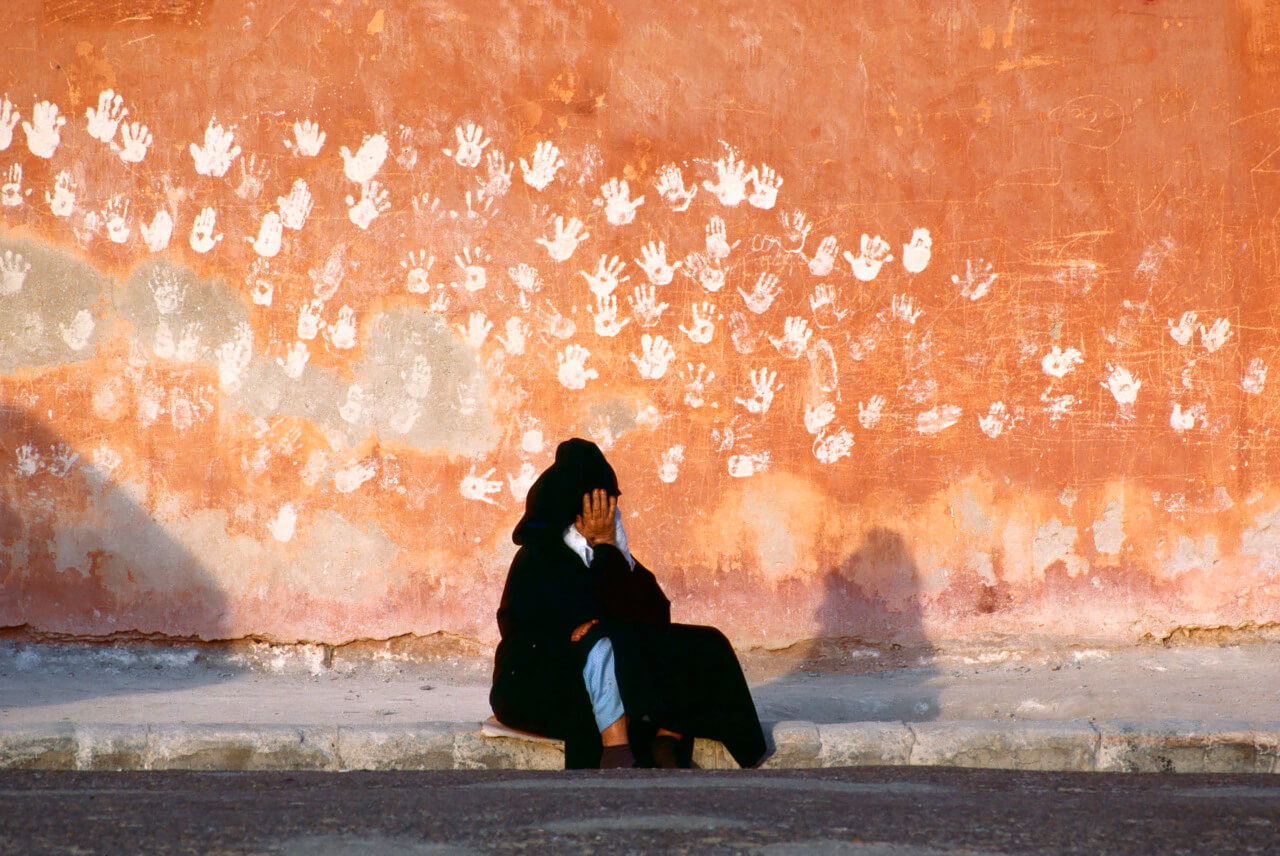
(588, 651)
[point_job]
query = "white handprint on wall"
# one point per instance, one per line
(1180, 420)
(417, 266)
(104, 120)
(262, 289)
(353, 475)
(267, 244)
(203, 238)
(554, 323)
(63, 199)
(669, 467)
(764, 187)
(645, 306)
(352, 410)
(710, 276)
(480, 487)
(825, 258)
(572, 372)
(763, 294)
(915, 255)
(695, 389)
(653, 261)
(362, 166)
(670, 186)
(615, 198)
(282, 526)
(135, 139)
(296, 207)
(472, 262)
(718, 247)
(977, 279)
(527, 279)
(902, 308)
(730, 186)
(309, 320)
(215, 156)
(747, 465)
(342, 333)
(76, 334)
(606, 316)
(520, 483)
(996, 420)
(795, 337)
(116, 217)
(831, 446)
(937, 419)
(515, 337)
(1122, 385)
(1215, 336)
(546, 163)
(762, 391)
(11, 194)
(307, 139)
(869, 414)
(656, 355)
(9, 117)
(702, 328)
(1058, 363)
(1184, 329)
(565, 240)
(471, 143)
(497, 181)
(373, 201)
(234, 357)
(28, 460)
(745, 340)
(873, 255)
(1255, 377)
(817, 417)
(295, 360)
(822, 303)
(253, 177)
(607, 277)
(157, 233)
(44, 131)
(476, 330)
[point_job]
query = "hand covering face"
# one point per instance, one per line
(555, 499)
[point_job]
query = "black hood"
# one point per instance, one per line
(555, 499)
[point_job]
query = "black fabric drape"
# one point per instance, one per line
(681, 677)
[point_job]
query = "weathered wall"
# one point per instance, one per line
(927, 319)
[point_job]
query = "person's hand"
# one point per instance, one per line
(581, 630)
(596, 520)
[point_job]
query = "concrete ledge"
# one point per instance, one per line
(1110, 746)
(1005, 745)
(241, 747)
(1188, 746)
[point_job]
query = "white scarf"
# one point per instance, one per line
(577, 542)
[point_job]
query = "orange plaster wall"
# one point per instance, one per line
(1013, 426)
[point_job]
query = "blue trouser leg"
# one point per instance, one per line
(602, 684)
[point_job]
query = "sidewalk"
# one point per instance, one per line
(1137, 709)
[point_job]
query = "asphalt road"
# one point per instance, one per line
(849, 812)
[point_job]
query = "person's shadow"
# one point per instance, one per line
(88, 577)
(871, 659)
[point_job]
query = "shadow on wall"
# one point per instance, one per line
(871, 660)
(82, 558)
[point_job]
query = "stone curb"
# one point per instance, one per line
(1079, 745)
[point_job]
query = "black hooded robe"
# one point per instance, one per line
(681, 677)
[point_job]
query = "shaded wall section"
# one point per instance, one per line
(899, 320)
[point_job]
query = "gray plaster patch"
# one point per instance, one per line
(176, 315)
(419, 384)
(52, 305)
(1053, 542)
(972, 515)
(1263, 541)
(1108, 529)
(1189, 556)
